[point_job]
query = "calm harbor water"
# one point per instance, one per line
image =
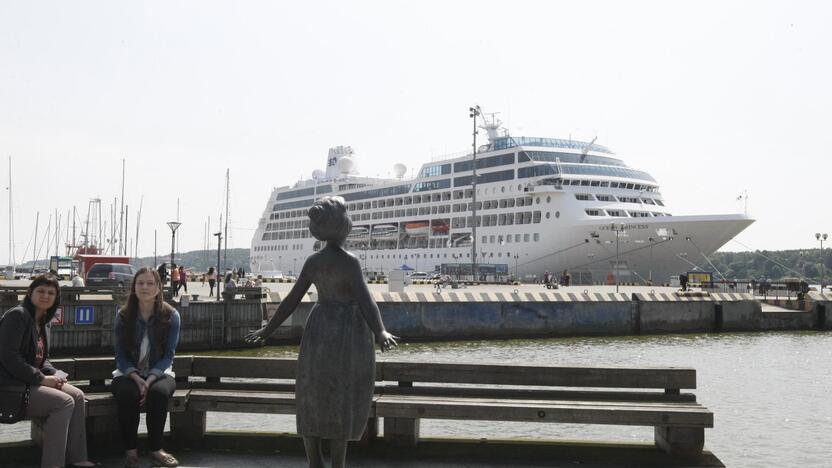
(770, 392)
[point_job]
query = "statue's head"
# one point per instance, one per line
(328, 220)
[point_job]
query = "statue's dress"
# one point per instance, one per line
(336, 373)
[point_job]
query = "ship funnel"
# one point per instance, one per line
(333, 166)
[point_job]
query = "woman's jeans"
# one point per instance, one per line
(127, 397)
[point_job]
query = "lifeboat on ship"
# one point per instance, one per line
(440, 228)
(417, 228)
(385, 231)
(359, 233)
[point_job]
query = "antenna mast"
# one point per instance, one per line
(11, 218)
(227, 214)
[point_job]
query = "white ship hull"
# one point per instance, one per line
(537, 213)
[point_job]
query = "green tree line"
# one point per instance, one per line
(772, 264)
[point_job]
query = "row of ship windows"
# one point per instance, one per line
(428, 256)
(280, 213)
(271, 248)
(502, 219)
(624, 214)
(613, 198)
(610, 184)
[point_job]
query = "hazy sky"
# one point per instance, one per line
(711, 98)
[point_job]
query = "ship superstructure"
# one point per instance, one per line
(542, 204)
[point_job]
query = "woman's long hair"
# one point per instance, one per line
(46, 279)
(161, 310)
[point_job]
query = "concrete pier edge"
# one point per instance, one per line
(514, 452)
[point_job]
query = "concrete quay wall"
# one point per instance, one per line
(441, 316)
(469, 314)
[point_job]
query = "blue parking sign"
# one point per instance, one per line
(84, 315)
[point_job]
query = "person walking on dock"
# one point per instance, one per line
(183, 279)
(174, 278)
(212, 280)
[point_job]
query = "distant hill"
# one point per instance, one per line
(200, 260)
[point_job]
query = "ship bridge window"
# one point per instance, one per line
(628, 199)
(618, 213)
(376, 193)
(486, 178)
(323, 189)
(296, 194)
(537, 171)
(606, 198)
(482, 163)
(594, 212)
(436, 170)
(432, 185)
(291, 205)
(649, 201)
(659, 202)
(584, 196)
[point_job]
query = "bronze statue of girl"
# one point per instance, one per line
(336, 363)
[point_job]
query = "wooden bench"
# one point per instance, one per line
(90, 375)
(407, 392)
(583, 395)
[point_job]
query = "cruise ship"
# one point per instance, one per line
(540, 204)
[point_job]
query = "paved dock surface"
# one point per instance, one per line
(190, 459)
(234, 449)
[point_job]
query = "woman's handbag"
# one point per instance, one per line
(14, 399)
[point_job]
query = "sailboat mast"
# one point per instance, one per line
(35, 246)
(138, 224)
(11, 218)
(121, 216)
(57, 231)
(227, 215)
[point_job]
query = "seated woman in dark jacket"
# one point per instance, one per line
(146, 335)
(24, 360)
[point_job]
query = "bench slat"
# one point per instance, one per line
(636, 414)
(534, 394)
(104, 404)
(673, 378)
(241, 401)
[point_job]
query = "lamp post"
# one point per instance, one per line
(618, 229)
(516, 256)
(650, 271)
(474, 112)
(821, 237)
(173, 225)
(219, 271)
